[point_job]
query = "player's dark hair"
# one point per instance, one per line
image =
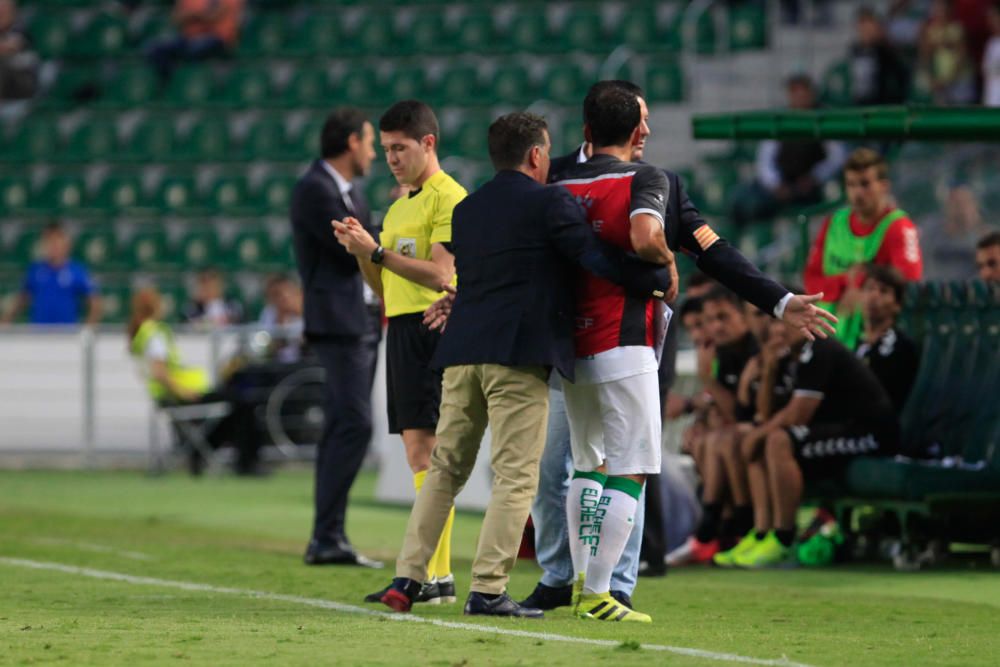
(690, 306)
(720, 293)
(888, 276)
(611, 113)
(991, 239)
(510, 138)
(411, 117)
(698, 278)
(338, 128)
(54, 227)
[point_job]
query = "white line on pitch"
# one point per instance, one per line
(91, 546)
(351, 609)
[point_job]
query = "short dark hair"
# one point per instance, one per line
(512, 136)
(53, 227)
(800, 79)
(690, 306)
(612, 114)
(888, 276)
(862, 159)
(991, 239)
(720, 293)
(699, 278)
(866, 13)
(411, 117)
(338, 128)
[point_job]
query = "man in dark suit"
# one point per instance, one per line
(341, 326)
(516, 244)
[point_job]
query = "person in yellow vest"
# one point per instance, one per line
(408, 267)
(870, 230)
(171, 382)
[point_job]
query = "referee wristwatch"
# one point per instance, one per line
(378, 254)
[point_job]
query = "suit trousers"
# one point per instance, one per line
(514, 401)
(347, 410)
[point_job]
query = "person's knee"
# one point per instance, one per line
(778, 447)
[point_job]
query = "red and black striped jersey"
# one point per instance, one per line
(611, 192)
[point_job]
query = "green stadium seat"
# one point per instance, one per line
(379, 191)
(15, 194)
(317, 35)
(267, 139)
(426, 34)
(568, 135)
(264, 34)
(308, 87)
(36, 139)
(717, 186)
(119, 193)
(51, 34)
(173, 296)
(528, 31)
(152, 140)
(360, 86)
(178, 194)
(198, 248)
(664, 81)
(476, 32)
(375, 34)
(469, 139)
(92, 141)
(105, 35)
(97, 247)
(747, 27)
(304, 144)
(638, 29)
(72, 87)
(564, 84)
(207, 141)
(26, 246)
(115, 301)
(405, 82)
(228, 195)
(60, 194)
(583, 30)
(275, 193)
(837, 85)
(460, 86)
(248, 87)
(250, 248)
(129, 87)
(147, 250)
(191, 86)
(511, 84)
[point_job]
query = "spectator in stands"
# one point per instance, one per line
(878, 75)
(890, 353)
(283, 317)
(18, 63)
(838, 411)
(789, 172)
(871, 229)
(55, 286)
(171, 383)
(207, 29)
(991, 60)
(988, 257)
(209, 308)
(944, 63)
(721, 361)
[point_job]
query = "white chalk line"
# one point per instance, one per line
(351, 609)
(92, 546)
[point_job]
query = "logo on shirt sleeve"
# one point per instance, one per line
(406, 247)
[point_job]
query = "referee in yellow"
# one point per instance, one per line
(407, 268)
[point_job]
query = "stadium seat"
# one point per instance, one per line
(15, 194)
(36, 139)
(360, 86)
(583, 30)
(97, 247)
(304, 144)
(267, 139)
(316, 34)
(151, 140)
(378, 190)
(528, 31)
(129, 87)
(106, 35)
(374, 34)
(198, 248)
(228, 195)
(564, 83)
(248, 87)
(178, 194)
(206, 141)
(25, 247)
(638, 29)
(426, 34)
(459, 85)
(511, 84)
(837, 85)
(191, 86)
(60, 194)
(250, 248)
(147, 250)
(747, 27)
(308, 87)
(51, 34)
(263, 34)
(73, 87)
(469, 139)
(664, 81)
(476, 32)
(275, 193)
(115, 300)
(92, 141)
(119, 193)
(405, 82)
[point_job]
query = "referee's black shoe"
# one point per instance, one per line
(481, 604)
(549, 597)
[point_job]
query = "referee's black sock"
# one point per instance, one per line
(785, 536)
(708, 529)
(742, 520)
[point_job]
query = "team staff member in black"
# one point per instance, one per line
(340, 326)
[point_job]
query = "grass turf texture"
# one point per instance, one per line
(251, 534)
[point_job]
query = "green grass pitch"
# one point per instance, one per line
(250, 534)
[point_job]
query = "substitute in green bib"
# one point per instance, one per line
(408, 267)
(871, 230)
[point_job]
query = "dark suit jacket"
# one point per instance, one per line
(517, 245)
(331, 281)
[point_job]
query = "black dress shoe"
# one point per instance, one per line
(622, 598)
(548, 597)
(319, 553)
(652, 569)
(479, 605)
(377, 595)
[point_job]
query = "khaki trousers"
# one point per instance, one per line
(514, 401)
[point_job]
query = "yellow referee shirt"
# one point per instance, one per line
(413, 223)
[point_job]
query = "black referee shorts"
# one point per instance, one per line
(824, 449)
(413, 388)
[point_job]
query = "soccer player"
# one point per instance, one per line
(890, 353)
(870, 230)
(838, 411)
(408, 267)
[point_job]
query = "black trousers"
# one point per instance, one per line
(347, 407)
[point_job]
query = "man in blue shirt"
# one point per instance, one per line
(55, 286)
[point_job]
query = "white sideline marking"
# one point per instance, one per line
(351, 609)
(91, 546)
